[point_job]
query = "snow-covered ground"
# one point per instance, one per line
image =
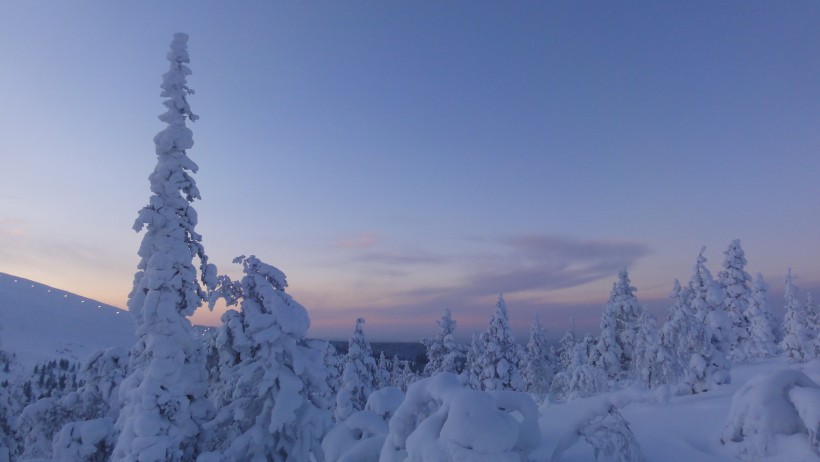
(40, 323)
(682, 429)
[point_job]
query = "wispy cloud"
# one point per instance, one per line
(364, 240)
(526, 268)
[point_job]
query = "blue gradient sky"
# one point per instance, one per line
(396, 159)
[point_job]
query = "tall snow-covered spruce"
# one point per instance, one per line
(163, 396)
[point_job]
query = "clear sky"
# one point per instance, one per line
(399, 158)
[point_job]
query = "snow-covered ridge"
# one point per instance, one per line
(39, 323)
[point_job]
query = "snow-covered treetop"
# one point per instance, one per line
(791, 290)
(266, 283)
(499, 328)
(733, 277)
(704, 285)
(168, 247)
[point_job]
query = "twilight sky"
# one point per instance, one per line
(399, 158)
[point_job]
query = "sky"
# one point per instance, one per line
(398, 158)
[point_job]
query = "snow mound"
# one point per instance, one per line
(772, 404)
(442, 420)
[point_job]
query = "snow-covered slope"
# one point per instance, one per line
(686, 428)
(39, 323)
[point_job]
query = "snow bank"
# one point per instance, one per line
(360, 437)
(771, 404)
(442, 420)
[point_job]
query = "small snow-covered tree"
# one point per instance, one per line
(650, 359)
(565, 352)
(276, 408)
(762, 340)
(619, 325)
(678, 334)
(401, 375)
(383, 374)
(607, 353)
(796, 343)
(334, 366)
(812, 325)
(500, 354)
(163, 396)
(472, 368)
(536, 371)
(444, 353)
(735, 282)
(358, 376)
(710, 339)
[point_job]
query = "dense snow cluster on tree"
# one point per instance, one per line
(256, 388)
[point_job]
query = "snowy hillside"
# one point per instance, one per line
(39, 323)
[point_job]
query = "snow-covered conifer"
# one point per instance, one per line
(473, 367)
(383, 376)
(500, 354)
(650, 361)
(607, 353)
(710, 339)
(762, 340)
(277, 406)
(163, 396)
(444, 354)
(796, 343)
(358, 376)
(619, 325)
(536, 370)
(812, 325)
(565, 352)
(735, 282)
(678, 333)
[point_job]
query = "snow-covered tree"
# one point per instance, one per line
(163, 396)
(536, 371)
(812, 324)
(565, 352)
(401, 374)
(650, 359)
(678, 333)
(735, 282)
(334, 366)
(619, 325)
(607, 353)
(383, 374)
(762, 340)
(473, 367)
(797, 340)
(444, 353)
(710, 339)
(500, 354)
(358, 376)
(277, 406)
